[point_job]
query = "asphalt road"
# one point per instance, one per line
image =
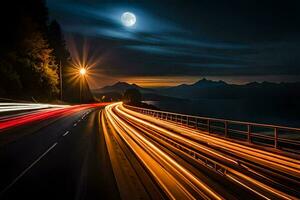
(88, 152)
(59, 158)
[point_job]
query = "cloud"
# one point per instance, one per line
(186, 39)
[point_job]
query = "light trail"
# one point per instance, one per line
(275, 161)
(175, 180)
(23, 119)
(9, 107)
(247, 178)
(226, 154)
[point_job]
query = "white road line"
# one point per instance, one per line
(75, 124)
(66, 133)
(85, 114)
(27, 169)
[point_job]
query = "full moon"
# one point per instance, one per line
(128, 19)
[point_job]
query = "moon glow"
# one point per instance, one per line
(128, 19)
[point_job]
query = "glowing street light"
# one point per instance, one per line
(82, 71)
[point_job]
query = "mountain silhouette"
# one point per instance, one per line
(208, 89)
(120, 87)
(265, 102)
(221, 90)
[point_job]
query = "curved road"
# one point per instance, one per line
(188, 164)
(92, 152)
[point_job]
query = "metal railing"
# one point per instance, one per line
(278, 137)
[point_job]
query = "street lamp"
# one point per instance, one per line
(82, 72)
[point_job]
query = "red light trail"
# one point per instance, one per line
(42, 115)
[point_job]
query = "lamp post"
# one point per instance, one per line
(82, 73)
(60, 76)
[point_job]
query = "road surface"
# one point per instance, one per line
(56, 155)
(92, 152)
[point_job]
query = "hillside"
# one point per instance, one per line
(220, 90)
(208, 89)
(120, 87)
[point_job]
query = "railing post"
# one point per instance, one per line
(187, 121)
(249, 133)
(226, 128)
(276, 138)
(208, 126)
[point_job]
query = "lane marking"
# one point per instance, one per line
(27, 169)
(75, 124)
(66, 133)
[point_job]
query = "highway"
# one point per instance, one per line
(187, 164)
(107, 151)
(55, 153)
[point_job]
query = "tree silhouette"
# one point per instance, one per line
(132, 96)
(32, 52)
(58, 44)
(27, 62)
(39, 71)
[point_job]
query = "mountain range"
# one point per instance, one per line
(208, 89)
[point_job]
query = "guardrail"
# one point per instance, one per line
(278, 137)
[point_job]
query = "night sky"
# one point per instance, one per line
(176, 42)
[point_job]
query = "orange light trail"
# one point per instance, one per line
(153, 157)
(128, 124)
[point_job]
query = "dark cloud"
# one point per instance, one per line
(201, 37)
